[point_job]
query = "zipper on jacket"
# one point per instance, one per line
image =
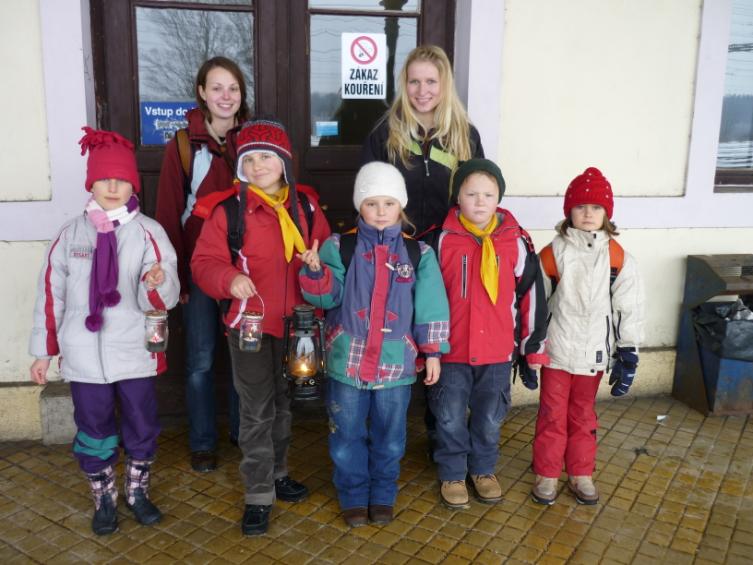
(609, 349)
(426, 165)
(463, 276)
(101, 356)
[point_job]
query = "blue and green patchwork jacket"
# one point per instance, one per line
(382, 312)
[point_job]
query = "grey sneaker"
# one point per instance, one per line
(544, 490)
(584, 489)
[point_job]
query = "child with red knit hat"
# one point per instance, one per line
(102, 272)
(272, 218)
(595, 298)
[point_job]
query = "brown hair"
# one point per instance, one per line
(609, 226)
(201, 81)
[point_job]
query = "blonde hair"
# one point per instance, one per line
(452, 128)
(609, 226)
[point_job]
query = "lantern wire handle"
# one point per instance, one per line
(262, 302)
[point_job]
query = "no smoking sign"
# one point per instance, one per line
(364, 65)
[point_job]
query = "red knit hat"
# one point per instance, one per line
(111, 156)
(589, 188)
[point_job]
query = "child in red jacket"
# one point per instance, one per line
(497, 306)
(264, 277)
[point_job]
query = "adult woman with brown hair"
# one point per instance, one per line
(198, 161)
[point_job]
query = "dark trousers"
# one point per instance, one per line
(96, 442)
(469, 444)
(265, 418)
(201, 320)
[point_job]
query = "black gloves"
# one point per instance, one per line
(623, 371)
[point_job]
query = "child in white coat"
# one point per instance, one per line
(596, 303)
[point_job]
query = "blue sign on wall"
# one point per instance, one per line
(160, 120)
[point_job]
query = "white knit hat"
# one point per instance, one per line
(379, 179)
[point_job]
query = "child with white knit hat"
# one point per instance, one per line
(385, 303)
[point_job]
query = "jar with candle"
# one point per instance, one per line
(155, 337)
(250, 331)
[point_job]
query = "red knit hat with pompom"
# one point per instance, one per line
(111, 156)
(589, 188)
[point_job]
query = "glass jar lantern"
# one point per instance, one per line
(250, 332)
(155, 336)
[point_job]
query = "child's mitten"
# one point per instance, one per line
(527, 375)
(623, 371)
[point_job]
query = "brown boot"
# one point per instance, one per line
(486, 488)
(584, 489)
(544, 490)
(356, 517)
(454, 494)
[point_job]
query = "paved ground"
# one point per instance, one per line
(673, 491)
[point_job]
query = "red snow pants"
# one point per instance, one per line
(566, 424)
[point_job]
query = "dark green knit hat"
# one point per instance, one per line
(467, 168)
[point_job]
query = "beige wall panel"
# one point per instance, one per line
(18, 287)
(598, 82)
(24, 156)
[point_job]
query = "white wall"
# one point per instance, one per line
(24, 158)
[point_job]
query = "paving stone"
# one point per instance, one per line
(690, 498)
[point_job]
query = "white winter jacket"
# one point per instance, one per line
(117, 351)
(585, 325)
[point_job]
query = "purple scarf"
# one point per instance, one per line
(103, 281)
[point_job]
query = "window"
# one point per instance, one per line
(734, 165)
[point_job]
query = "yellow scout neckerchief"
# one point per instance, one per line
(291, 237)
(489, 266)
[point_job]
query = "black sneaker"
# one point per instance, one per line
(143, 510)
(255, 520)
(288, 490)
(203, 461)
(105, 519)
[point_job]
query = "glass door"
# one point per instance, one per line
(354, 51)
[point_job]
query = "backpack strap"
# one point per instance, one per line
(308, 212)
(184, 151)
(549, 265)
(236, 227)
(616, 260)
(530, 270)
(348, 247)
(414, 250)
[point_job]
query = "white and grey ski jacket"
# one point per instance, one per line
(586, 325)
(117, 351)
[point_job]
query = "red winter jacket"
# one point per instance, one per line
(172, 201)
(262, 258)
(482, 333)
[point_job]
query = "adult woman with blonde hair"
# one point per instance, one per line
(424, 134)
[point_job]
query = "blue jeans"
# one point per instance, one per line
(469, 444)
(201, 321)
(366, 458)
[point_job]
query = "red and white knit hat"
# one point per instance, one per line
(589, 188)
(265, 136)
(111, 156)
